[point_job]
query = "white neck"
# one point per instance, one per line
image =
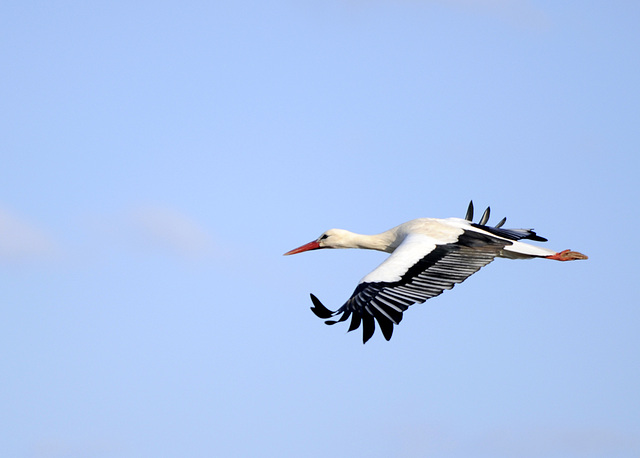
(385, 241)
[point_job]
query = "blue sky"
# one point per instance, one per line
(159, 157)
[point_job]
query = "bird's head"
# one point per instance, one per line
(333, 238)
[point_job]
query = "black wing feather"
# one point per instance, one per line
(469, 215)
(485, 216)
(368, 326)
(355, 321)
(319, 309)
(386, 325)
(511, 234)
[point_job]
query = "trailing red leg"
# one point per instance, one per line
(567, 255)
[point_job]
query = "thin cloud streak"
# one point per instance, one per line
(144, 230)
(171, 230)
(21, 240)
(523, 442)
(516, 12)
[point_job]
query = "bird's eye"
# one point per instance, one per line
(323, 236)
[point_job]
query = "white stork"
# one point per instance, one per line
(428, 255)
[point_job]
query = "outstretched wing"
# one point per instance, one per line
(417, 270)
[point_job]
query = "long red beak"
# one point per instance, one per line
(306, 247)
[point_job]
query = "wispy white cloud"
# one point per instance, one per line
(168, 229)
(521, 13)
(524, 442)
(58, 448)
(563, 441)
(143, 230)
(21, 240)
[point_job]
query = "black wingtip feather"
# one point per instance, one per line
(469, 215)
(344, 317)
(320, 310)
(368, 327)
(536, 237)
(511, 234)
(485, 217)
(386, 325)
(355, 322)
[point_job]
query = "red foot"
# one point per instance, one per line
(567, 255)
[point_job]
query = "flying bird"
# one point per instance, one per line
(428, 255)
